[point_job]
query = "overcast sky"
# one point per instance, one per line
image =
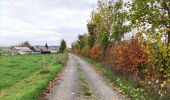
(43, 21)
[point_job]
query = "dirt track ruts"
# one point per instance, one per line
(68, 85)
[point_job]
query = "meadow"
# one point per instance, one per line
(24, 77)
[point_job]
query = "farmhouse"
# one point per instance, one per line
(20, 50)
(53, 49)
(35, 50)
(40, 49)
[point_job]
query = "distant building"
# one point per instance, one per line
(40, 49)
(53, 49)
(20, 50)
(35, 50)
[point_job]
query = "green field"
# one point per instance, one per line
(24, 77)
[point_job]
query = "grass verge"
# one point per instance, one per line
(83, 85)
(125, 87)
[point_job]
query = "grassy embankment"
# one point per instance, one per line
(23, 77)
(125, 87)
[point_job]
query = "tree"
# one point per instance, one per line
(81, 46)
(152, 18)
(46, 45)
(107, 22)
(82, 40)
(62, 46)
(103, 21)
(153, 15)
(119, 19)
(75, 47)
(154, 28)
(92, 34)
(25, 44)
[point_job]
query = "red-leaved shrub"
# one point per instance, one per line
(96, 53)
(127, 57)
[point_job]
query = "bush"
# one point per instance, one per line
(96, 53)
(60, 58)
(85, 51)
(127, 57)
(133, 60)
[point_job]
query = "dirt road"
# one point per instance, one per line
(80, 81)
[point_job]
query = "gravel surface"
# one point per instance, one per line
(70, 86)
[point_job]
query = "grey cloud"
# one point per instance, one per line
(41, 21)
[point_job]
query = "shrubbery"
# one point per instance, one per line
(85, 51)
(146, 57)
(127, 57)
(96, 53)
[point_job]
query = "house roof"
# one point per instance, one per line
(40, 48)
(36, 48)
(23, 48)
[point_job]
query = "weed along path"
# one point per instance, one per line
(80, 81)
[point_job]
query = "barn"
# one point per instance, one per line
(20, 50)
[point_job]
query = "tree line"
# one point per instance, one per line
(145, 57)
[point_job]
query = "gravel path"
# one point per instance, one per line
(80, 81)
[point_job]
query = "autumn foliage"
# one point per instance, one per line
(96, 53)
(145, 58)
(85, 51)
(127, 57)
